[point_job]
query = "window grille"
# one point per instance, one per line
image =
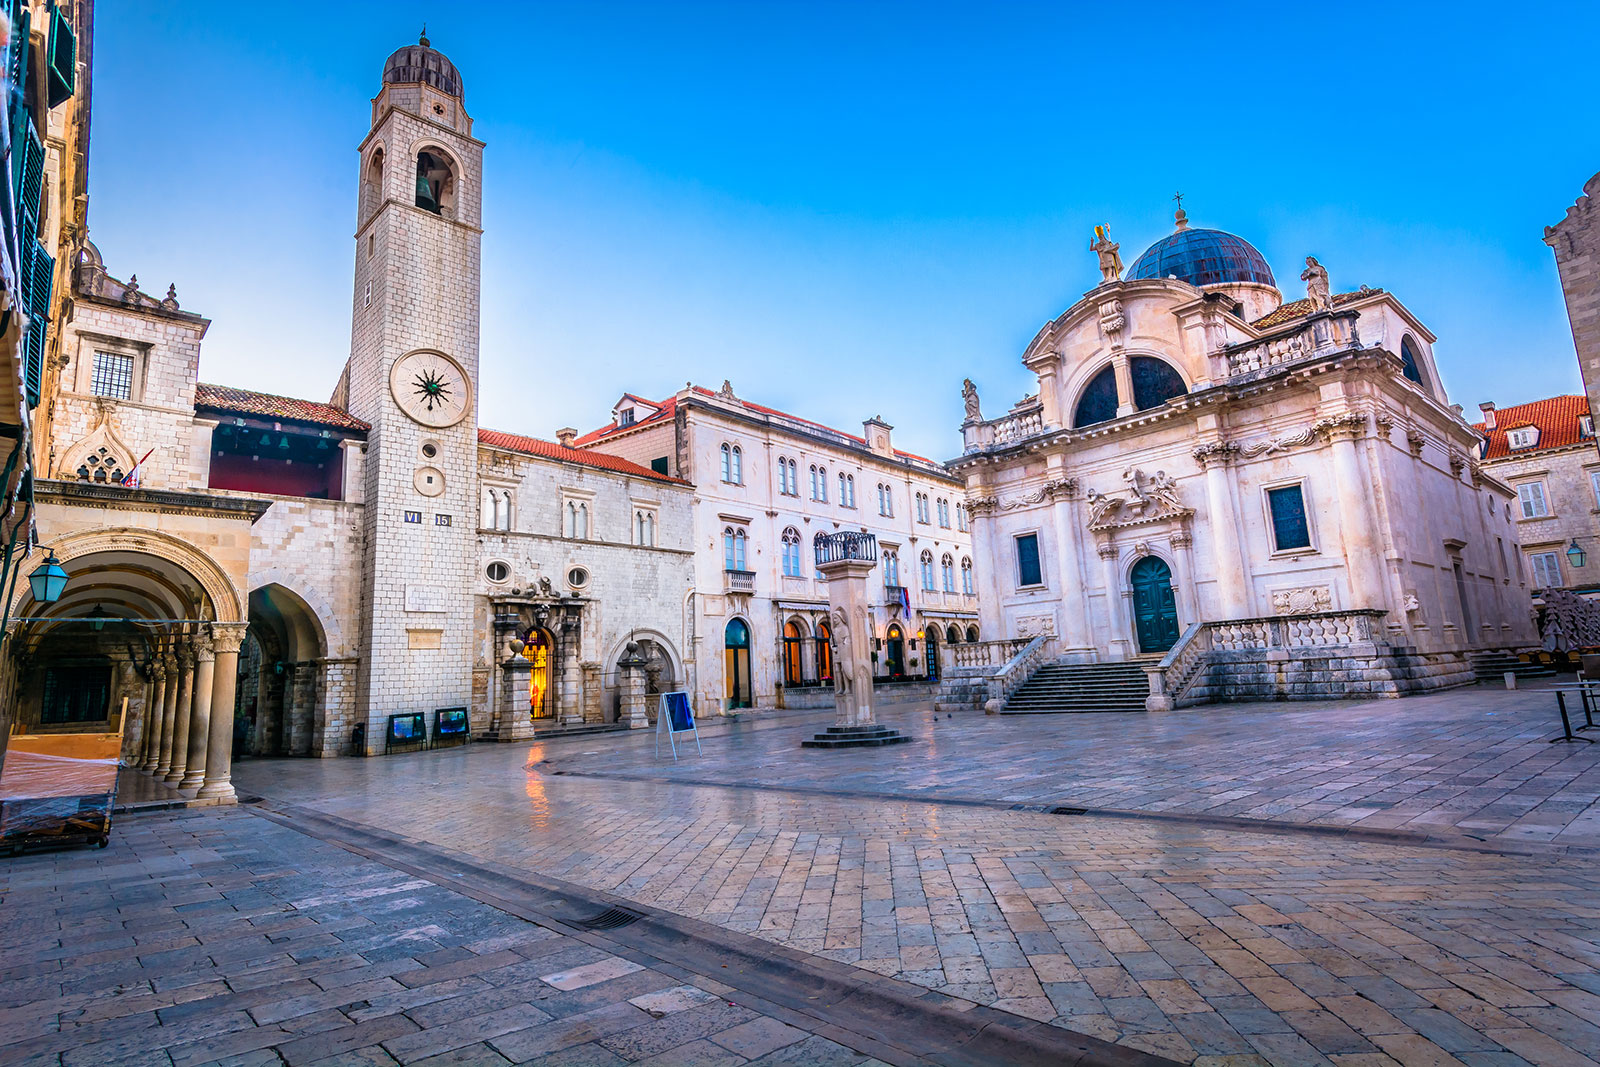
(113, 375)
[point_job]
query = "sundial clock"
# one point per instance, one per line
(430, 388)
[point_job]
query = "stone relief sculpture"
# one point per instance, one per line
(969, 395)
(1302, 601)
(1110, 254)
(1316, 278)
(1150, 499)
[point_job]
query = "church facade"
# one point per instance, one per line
(1252, 497)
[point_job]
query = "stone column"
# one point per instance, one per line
(158, 713)
(1232, 587)
(1183, 545)
(194, 767)
(218, 784)
(515, 722)
(1121, 642)
(1123, 370)
(848, 599)
(571, 685)
(169, 713)
(180, 724)
(991, 561)
(630, 672)
(1363, 555)
(1077, 643)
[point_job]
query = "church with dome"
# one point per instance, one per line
(1245, 497)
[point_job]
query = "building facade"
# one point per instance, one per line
(766, 484)
(1208, 472)
(259, 574)
(1545, 450)
(1575, 240)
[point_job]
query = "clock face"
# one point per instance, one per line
(430, 388)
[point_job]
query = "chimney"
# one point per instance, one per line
(566, 435)
(876, 431)
(1488, 414)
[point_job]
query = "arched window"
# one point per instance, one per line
(820, 492)
(645, 521)
(961, 517)
(738, 466)
(922, 508)
(952, 635)
(1411, 366)
(793, 674)
(944, 513)
(824, 653)
(785, 486)
(847, 490)
(791, 553)
(947, 573)
(891, 567)
(966, 577)
(372, 185)
(885, 501)
(732, 464)
(727, 462)
(436, 184)
(1098, 403)
(733, 542)
(927, 571)
(972, 635)
(578, 520)
(1154, 382)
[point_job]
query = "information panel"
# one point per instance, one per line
(675, 715)
(450, 727)
(407, 730)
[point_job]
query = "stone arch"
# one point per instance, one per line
(372, 180)
(661, 641)
(333, 639)
(88, 447)
(448, 179)
(227, 603)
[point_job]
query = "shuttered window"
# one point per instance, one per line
(1028, 572)
(1287, 506)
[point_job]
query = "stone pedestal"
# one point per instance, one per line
(631, 671)
(515, 721)
(847, 562)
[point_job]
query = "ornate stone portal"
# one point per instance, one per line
(847, 561)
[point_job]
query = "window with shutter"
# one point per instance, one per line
(1028, 572)
(61, 58)
(1531, 496)
(1287, 506)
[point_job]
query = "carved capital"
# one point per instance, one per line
(1061, 488)
(1181, 539)
(1106, 551)
(1458, 463)
(1215, 453)
(228, 636)
(1383, 423)
(204, 650)
(1415, 441)
(186, 656)
(980, 505)
(1347, 427)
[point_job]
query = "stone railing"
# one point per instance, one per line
(1327, 332)
(1185, 663)
(979, 654)
(1018, 669)
(1007, 429)
(739, 581)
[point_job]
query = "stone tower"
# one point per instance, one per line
(413, 375)
(1576, 241)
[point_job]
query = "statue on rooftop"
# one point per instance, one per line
(1316, 278)
(1110, 254)
(969, 394)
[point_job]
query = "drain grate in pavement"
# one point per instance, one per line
(1069, 811)
(610, 919)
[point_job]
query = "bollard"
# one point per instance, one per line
(1511, 679)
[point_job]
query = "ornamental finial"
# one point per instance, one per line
(1181, 217)
(422, 38)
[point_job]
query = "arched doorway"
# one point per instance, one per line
(280, 678)
(1155, 609)
(793, 667)
(895, 651)
(736, 663)
(538, 649)
(824, 654)
(932, 652)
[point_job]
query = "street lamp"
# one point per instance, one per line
(1575, 555)
(97, 621)
(48, 581)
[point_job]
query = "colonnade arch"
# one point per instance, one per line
(282, 694)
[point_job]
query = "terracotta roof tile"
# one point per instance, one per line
(534, 446)
(267, 405)
(1557, 420)
(1299, 309)
(665, 411)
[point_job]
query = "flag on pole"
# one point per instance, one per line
(905, 601)
(132, 478)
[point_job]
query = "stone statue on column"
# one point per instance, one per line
(1110, 254)
(1316, 278)
(969, 396)
(847, 560)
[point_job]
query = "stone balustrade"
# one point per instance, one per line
(1317, 335)
(1018, 669)
(739, 581)
(1007, 429)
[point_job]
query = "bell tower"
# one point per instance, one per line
(413, 375)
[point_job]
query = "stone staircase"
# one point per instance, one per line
(1081, 687)
(1492, 666)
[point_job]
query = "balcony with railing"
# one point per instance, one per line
(739, 581)
(1318, 335)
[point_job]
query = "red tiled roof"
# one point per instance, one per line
(266, 405)
(669, 406)
(1557, 420)
(533, 446)
(1299, 309)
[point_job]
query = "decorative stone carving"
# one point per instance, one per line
(1316, 278)
(726, 392)
(1383, 423)
(1215, 452)
(1282, 443)
(1181, 539)
(969, 396)
(980, 505)
(1106, 551)
(1110, 254)
(1350, 425)
(171, 302)
(1151, 498)
(1415, 441)
(228, 636)
(1066, 488)
(1458, 463)
(1302, 600)
(1031, 626)
(1410, 604)
(1112, 320)
(1141, 549)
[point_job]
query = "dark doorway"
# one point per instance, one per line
(1155, 609)
(895, 652)
(736, 663)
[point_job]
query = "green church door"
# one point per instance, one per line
(1155, 610)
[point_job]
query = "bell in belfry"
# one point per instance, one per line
(425, 193)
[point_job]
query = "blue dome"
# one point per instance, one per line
(1203, 257)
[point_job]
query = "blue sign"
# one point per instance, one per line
(675, 715)
(680, 711)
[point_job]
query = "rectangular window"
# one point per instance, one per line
(659, 464)
(1546, 570)
(1028, 572)
(1594, 483)
(1531, 496)
(1287, 505)
(76, 694)
(625, 417)
(113, 375)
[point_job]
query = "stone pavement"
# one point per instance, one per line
(1202, 944)
(1470, 761)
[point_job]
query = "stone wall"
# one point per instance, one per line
(1576, 242)
(1334, 673)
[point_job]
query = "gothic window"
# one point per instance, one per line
(788, 478)
(891, 567)
(1286, 505)
(1410, 365)
(885, 501)
(578, 520)
(372, 188)
(961, 517)
(436, 184)
(733, 544)
(791, 553)
(922, 508)
(944, 513)
(1531, 496)
(732, 464)
(847, 490)
(947, 573)
(1154, 382)
(102, 467)
(927, 571)
(1099, 400)
(966, 577)
(644, 524)
(819, 484)
(1028, 569)
(113, 375)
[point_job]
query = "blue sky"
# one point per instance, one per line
(847, 208)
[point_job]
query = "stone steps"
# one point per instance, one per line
(1492, 666)
(874, 736)
(1081, 688)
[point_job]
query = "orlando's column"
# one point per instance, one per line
(847, 561)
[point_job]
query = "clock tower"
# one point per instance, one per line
(413, 376)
